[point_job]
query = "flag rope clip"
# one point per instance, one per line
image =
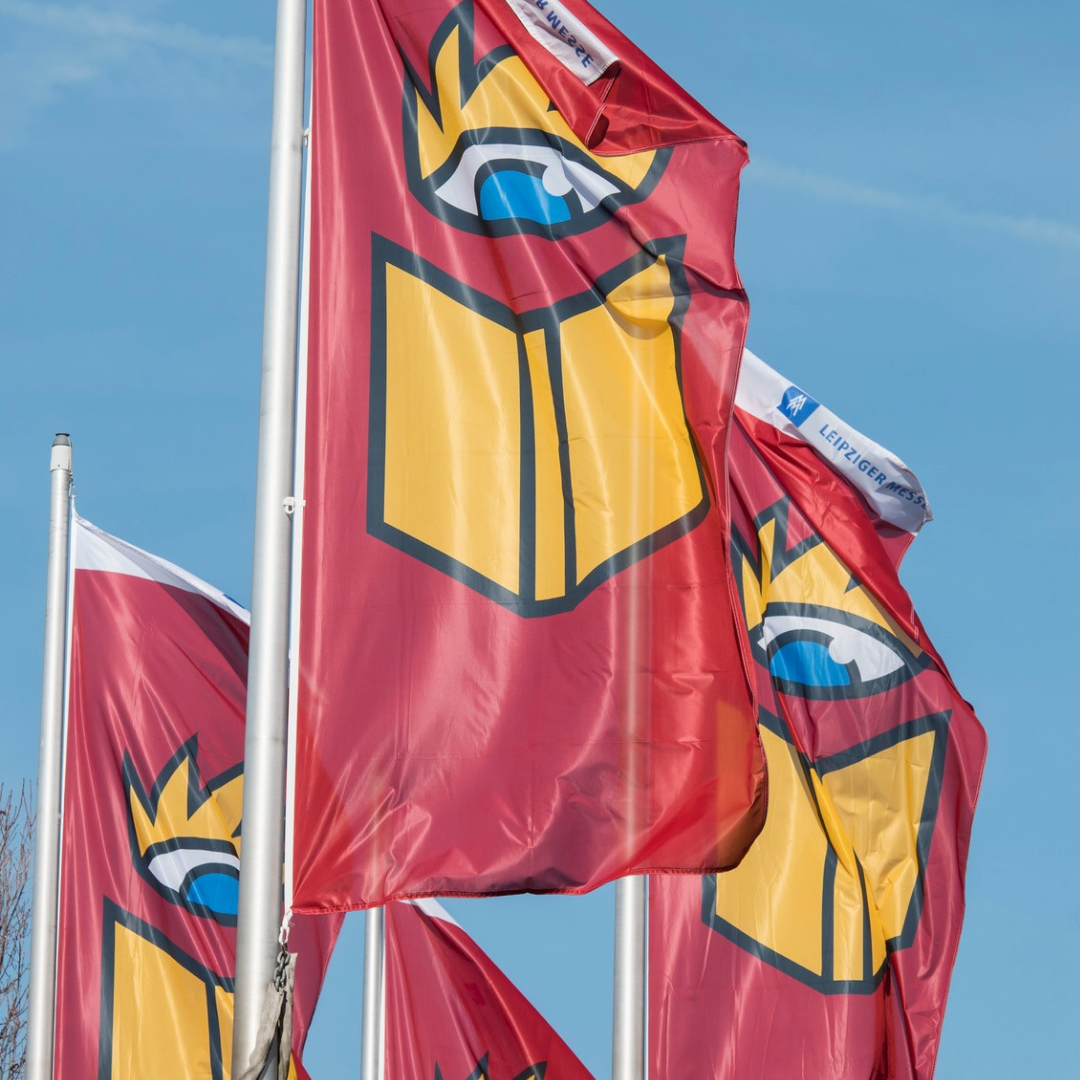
(286, 926)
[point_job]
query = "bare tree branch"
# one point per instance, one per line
(16, 850)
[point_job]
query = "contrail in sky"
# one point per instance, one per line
(928, 207)
(115, 29)
(84, 21)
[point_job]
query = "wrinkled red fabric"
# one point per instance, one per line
(718, 1008)
(450, 1011)
(446, 744)
(153, 667)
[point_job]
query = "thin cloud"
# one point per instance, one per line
(49, 50)
(114, 26)
(930, 208)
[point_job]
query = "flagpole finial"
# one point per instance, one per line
(61, 452)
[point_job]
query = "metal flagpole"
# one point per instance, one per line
(371, 1059)
(628, 980)
(628, 1021)
(259, 912)
(42, 994)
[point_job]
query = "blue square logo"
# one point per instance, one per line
(796, 405)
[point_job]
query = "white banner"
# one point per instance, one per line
(95, 549)
(566, 37)
(890, 487)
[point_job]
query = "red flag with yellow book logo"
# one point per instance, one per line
(451, 1014)
(520, 661)
(828, 951)
(150, 856)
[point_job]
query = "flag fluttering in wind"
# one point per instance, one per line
(451, 1014)
(521, 666)
(152, 825)
(828, 951)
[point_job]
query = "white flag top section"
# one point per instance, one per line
(433, 909)
(891, 488)
(566, 37)
(97, 550)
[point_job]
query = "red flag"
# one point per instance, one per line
(828, 951)
(151, 836)
(521, 666)
(451, 1014)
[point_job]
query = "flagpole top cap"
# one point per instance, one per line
(61, 452)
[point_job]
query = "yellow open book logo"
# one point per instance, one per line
(834, 882)
(164, 1014)
(530, 455)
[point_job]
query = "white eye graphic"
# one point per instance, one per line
(819, 652)
(534, 182)
(172, 867)
(200, 878)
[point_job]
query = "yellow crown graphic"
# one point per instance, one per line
(487, 152)
(819, 631)
(481, 1072)
(185, 835)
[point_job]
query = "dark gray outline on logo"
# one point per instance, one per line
(387, 253)
(471, 75)
(783, 556)
(114, 915)
(196, 796)
(938, 723)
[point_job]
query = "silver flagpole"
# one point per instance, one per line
(259, 913)
(628, 979)
(628, 1021)
(371, 1059)
(42, 996)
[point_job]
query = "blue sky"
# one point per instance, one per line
(909, 235)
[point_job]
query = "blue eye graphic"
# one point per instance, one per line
(516, 181)
(199, 878)
(487, 150)
(820, 652)
(513, 194)
(217, 892)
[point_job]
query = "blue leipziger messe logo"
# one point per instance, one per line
(796, 405)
